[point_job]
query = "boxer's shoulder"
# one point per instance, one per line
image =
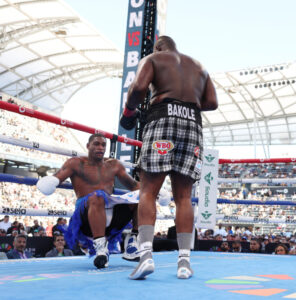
(74, 162)
(112, 162)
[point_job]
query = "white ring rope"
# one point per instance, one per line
(67, 214)
(47, 148)
(257, 180)
(66, 152)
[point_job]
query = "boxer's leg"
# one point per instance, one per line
(182, 187)
(97, 222)
(150, 187)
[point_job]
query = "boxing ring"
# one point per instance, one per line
(223, 275)
(216, 275)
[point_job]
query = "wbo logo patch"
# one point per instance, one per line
(163, 146)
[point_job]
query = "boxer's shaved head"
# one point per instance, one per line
(165, 41)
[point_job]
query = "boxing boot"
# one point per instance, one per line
(131, 251)
(102, 255)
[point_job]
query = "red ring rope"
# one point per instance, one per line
(56, 120)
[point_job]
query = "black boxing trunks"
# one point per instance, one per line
(172, 139)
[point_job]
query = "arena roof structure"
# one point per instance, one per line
(255, 105)
(47, 53)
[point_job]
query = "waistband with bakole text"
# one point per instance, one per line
(174, 108)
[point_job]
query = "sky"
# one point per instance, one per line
(223, 35)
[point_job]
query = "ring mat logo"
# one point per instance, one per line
(206, 214)
(208, 178)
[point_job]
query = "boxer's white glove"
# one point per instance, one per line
(164, 197)
(47, 184)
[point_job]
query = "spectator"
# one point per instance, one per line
(14, 233)
(218, 237)
(35, 228)
(59, 247)
(238, 230)
(229, 230)
(42, 232)
(19, 246)
(2, 232)
(3, 255)
(14, 227)
(264, 243)
(55, 228)
(49, 228)
(220, 231)
(292, 247)
(225, 247)
(255, 246)
(281, 249)
(65, 226)
(5, 224)
(248, 231)
(237, 247)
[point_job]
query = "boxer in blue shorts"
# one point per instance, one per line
(172, 141)
(93, 179)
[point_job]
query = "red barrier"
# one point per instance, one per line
(256, 160)
(66, 123)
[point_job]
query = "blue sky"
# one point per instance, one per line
(222, 35)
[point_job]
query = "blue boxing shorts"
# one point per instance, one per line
(118, 216)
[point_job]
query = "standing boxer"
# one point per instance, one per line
(172, 141)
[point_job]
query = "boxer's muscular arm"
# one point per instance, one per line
(130, 183)
(48, 184)
(144, 76)
(209, 99)
(67, 170)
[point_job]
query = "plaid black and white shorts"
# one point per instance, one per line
(172, 144)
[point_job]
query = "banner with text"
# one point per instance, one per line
(132, 57)
(207, 200)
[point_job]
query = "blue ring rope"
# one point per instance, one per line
(33, 181)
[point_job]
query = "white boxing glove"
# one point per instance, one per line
(47, 184)
(164, 197)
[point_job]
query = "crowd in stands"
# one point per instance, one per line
(235, 239)
(14, 195)
(34, 130)
(257, 170)
(33, 229)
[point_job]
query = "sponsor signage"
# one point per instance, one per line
(133, 45)
(132, 57)
(35, 212)
(13, 211)
(207, 202)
